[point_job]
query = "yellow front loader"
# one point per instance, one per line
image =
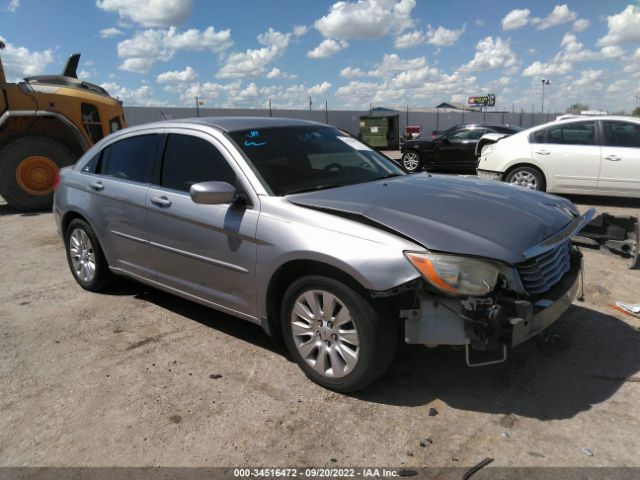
(46, 123)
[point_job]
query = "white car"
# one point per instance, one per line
(580, 155)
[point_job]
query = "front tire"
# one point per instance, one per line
(335, 335)
(28, 167)
(85, 257)
(411, 161)
(527, 177)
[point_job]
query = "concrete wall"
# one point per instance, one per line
(346, 119)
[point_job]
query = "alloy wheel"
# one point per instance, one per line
(525, 179)
(410, 161)
(325, 334)
(83, 257)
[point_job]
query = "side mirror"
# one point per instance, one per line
(212, 193)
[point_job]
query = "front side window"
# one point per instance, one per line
(297, 159)
(131, 159)
(575, 133)
(621, 134)
(189, 160)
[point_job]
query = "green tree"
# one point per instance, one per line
(636, 112)
(576, 108)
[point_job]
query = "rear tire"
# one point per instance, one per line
(527, 177)
(353, 346)
(28, 167)
(85, 257)
(411, 161)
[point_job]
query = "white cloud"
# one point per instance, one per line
(21, 62)
(392, 63)
(320, 89)
(149, 13)
(327, 48)
(142, 95)
(110, 32)
(13, 5)
(300, 30)
(480, 22)
(277, 73)
(350, 72)
(571, 52)
(539, 68)
(443, 37)
(84, 74)
(253, 62)
(515, 19)
(175, 76)
(581, 25)
(624, 27)
(366, 19)
(559, 15)
(492, 54)
(357, 93)
(141, 51)
(410, 39)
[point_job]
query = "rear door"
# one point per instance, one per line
(620, 171)
(117, 201)
(207, 251)
(568, 155)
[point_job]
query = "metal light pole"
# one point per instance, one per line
(197, 107)
(544, 82)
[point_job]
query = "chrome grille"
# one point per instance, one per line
(540, 273)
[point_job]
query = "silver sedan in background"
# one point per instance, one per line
(306, 231)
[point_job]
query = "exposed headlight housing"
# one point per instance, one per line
(455, 274)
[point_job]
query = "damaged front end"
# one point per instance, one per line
(486, 305)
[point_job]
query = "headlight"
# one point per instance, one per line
(457, 275)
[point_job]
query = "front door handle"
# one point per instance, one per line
(613, 158)
(543, 152)
(162, 201)
(97, 185)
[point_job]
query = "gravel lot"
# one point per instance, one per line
(137, 377)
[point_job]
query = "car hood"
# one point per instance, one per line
(462, 215)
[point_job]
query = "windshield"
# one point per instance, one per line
(300, 159)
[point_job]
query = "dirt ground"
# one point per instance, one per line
(137, 377)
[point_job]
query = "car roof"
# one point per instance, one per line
(577, 118)
(231, 124)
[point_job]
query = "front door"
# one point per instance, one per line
(457, 151)
(207, 251)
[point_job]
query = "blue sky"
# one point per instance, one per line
(350, 53)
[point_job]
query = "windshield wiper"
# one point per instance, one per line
(390, 175)
(316, 188)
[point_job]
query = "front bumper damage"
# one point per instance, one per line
(494, 323)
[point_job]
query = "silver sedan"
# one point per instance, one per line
(311, 234)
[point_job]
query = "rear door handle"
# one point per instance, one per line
(613, 158)
(543, 152)
(162, 201)
(97, 185)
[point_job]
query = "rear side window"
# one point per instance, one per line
(576, 133)
(470, 134)
(189, 160)
(621, 134)
(131, 159)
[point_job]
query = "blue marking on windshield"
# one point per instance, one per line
(253, 134)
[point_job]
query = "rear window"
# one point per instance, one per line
(131, 159)
(576, 133)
